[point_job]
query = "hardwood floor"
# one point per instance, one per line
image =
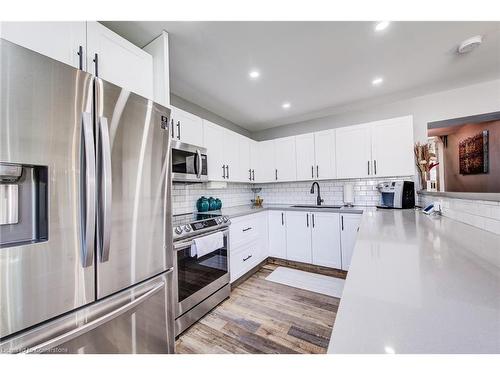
(264, 317)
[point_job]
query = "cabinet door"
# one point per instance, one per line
(348, 231)
(57, 40)
(285, 159)
(392, 147)
(231, 155)
(214, 142)
(244, 169)
(326, 239)
(298, 236)
(304, 145)
(277, 234)
(324, 151)
(353, 152)
(266, 165)
(255, 159)
(187, 128)
(119, 61)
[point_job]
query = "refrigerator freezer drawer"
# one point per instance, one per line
(138, 320)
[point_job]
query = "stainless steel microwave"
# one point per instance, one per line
(189, 163)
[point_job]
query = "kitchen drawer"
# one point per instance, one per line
(244, 230)
(243, 259)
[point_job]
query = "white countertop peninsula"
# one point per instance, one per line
(420, 284)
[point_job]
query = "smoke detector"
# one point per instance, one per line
(469, 44)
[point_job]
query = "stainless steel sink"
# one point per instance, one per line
(315, 206)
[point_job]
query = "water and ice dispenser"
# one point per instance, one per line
(23, 204)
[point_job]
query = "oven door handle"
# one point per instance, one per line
(184, 244)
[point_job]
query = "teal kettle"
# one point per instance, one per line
(202, 204)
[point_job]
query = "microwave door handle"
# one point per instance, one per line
(199, 166)
(88, 212)
(105, 197)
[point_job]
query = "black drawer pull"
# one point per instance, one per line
(248, 257)
(249, 228)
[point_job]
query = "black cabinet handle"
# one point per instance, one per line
(227, 170)
(282, 219)
(96, 64)
(375, 167)
(276, 173)
(313, 219)
(80, 57)
(223, 171)
(248, 257)
(307, 220)
(342, 220)
(312, 171)
(253, 174)
(250, 174)
(368, 167)
(172, 123)
(247, 229)
(178, 130)
(317, 172)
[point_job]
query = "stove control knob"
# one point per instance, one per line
(219, 220)
(178, 230)
(187, 228)
(225, 218)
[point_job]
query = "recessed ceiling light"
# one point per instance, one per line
(377, 81)
(382, 25)
(469, 44)
(389, 350)
(254, 74)
(286, 105)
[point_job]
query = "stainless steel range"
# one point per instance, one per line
(201, 282)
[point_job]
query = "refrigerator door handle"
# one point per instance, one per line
(105, 191)
(95, 323)
(88, 207)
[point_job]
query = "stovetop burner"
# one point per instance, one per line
(186, 225)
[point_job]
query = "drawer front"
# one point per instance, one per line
(243, 259)
(244, 231)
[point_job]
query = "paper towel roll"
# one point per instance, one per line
(348, 194)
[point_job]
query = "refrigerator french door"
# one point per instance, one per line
(85, 210)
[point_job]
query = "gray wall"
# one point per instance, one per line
(195, 109)
(469, 100)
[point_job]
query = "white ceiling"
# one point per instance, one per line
(313, 65)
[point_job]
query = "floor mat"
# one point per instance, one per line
(330, 286)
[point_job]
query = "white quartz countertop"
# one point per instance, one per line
(420, 284)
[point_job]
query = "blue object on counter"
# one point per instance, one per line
(218, 203)
(212, 203)
(203, 204)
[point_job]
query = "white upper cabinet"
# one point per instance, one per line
(265, 158)
(186, 127)
(214, 143)
(231, 155)
(159, 50)
(285, 163)
(392, 147)
(324, 153)
(58, 40)
(326, 239)
(244, 173)
(353, 151)
(119, 61)
(306, 169)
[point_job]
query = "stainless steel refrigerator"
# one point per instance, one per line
(85, 212)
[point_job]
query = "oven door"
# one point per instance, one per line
(195, 279)
(189, 163)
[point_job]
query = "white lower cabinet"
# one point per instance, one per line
(349, 225)
(298, 236)
(325, 239)
(248, 239)
(277, 234)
